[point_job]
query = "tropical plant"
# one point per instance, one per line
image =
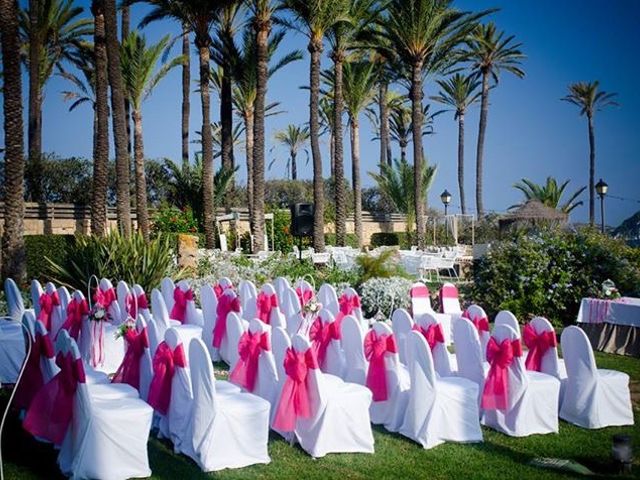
(490, 53)
(396, 183)
(588, 97)
(293, 137)
(401, 126)
(170, 219)
(459, 92)
(140, 74)
(379, 266)
(550, 194)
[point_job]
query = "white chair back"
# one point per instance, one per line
(267, 381)
(209, 303)
(328, 297)
(167, 287)
(518, 380)
(505, 317)
(248, 293)
(159, 312)
(146, 368)
(578, 356)
(204, 392)
(401, 324)
(281, 284)
(449, 299)
(280, 341)
(420, 300)
(356, 364)
(550, 363)
(291, 310)
(123, 291)
(469, 354)
(439, 352)
(36, 290)
(235, 329)
(334, 361)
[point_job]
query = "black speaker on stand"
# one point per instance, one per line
(301, 222)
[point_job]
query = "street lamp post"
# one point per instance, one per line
(446, 200)
(601, 189)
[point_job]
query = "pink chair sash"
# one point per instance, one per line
(265, 303)
(76, 311)
(321, 334)
(375, 348)
(495, 395)
(32, 378)
(347, 306)
(129, 369)
(304, 296)
(446, 292)
(433, 334)
(420, 291)
(250, 346)
(105, 297)
(179, 310)
(226, 305)
(134, 304)
(47, 301)
(51, 410)
(481, 323)
(538, 345)
(220, 289)
(295, 401)
(165, 362)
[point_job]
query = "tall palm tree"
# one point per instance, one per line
(186, 93)
(34, 135)
(13, 253)
(199, 16)
(141, 76)
(314, 18)
(550, 194)
(423, 34)
(490, 53)
(325, 111)
(401, 126)
(459, 92)
(588, 97)
(125, 28)
(293, 137)
(360, 80)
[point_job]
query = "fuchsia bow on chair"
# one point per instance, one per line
(495, 395)
(165, 362)
(135, 304)
(295, 401)
(250, 345)
(51, 410)
(76, 311)
(32, 379)
(105, 297)
(304, 296)
(347, 305)
(433, 333)
(47, 301)
(220, 289)
(321, 333)
(375, 348)
(129, 369)
(538, 345)
(226, 305)
(179, 310)
(481, 323)
(265, 303)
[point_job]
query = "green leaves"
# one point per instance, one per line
(550, 194)
(588, 97)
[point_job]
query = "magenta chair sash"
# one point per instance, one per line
(304, 296)
(538, 345)
(375, 348)
(129, 369)
(495, 395)
(347, 305)
(481, 323)
(447, 291)
(179, 310)
(76, 311)
(321, 333)
(32, 379)
(226, 305)
(420, 291)
(295, 401)
(220, 289)
(47, 302)
(165, 362)
(135, 304)
(265, 303)
(51, 410)
(433, 334)
(250, 346)
(105, 297)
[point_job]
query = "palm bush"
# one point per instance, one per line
(550, 194)
(381, 266)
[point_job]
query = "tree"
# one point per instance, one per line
(423, 35)
(199, 16)
(139, 63)
(293, 137)
(360, 80)
(401, 126)
(13, 254)
(186, 92)
(314, 18)
(490, 53)
(590, 99)
(550, 194)
(459, 92)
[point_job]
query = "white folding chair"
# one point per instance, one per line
(325, 340)
(430, 327)
(477, 315)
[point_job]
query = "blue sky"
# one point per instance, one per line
(531, 133)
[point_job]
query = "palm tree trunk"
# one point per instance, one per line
(202, 44)
(592, 170)
(125, 23)
(385, 141)
(186, 82)
(123, 202)
(141, 180)
(249, 146)
(13, 253)
(463, 203)
(355, 175)
(101, 126)
(332, 153)
(338, 179)
(315, 49)
(403, 152)
(34, 180)
(226, 123)
(484, 111)
(416, 118)
(294, 166)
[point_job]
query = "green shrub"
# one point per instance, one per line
(40, 247)
(169, 219)
(351, 240)
(390, 239)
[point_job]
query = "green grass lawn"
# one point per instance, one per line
(396, 457)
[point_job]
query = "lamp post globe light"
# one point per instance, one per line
(446, 200)
(601, 190)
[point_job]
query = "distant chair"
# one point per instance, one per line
(223, 243)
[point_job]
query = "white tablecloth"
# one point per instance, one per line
(622, 311)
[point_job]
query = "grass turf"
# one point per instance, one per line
(395, 457)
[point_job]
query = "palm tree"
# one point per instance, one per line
(186, 92)
(490, 53)
(314, 18)
(397, 184)
(13, 253)
(199, 16)
(125, 28)
(293, 137)
(401, 126)
(550, 194)
(140, 77)
(459, 92)
(360, 80)
(588, 97)
(422, 34)
(325, 111)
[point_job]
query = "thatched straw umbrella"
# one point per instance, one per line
(533, 213)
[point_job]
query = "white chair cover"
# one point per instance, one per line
(15, 304)
(58, 314)
(356, 364)
(291, 309)
(281, 284)
(469, 357)
(449, 304)
(137, 290)
(154, 337)
(550, 364)
(122, 292)
(277, 317)
(193, 315)
(229, 347)
(593, 398)
(114, 309)
(357, 311)
(476, 311)
(401, 324)
(167, 287)
(334, 361)
(328, 298)
(48, 366)
(439, 409)
(505, 317)
(65, 298)
(441, 357)
(280, 341)
(36, 290)
(163, 322)
(209, 303)
(248, 293)
(12, 349)
(420, 304)
(146, 368)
